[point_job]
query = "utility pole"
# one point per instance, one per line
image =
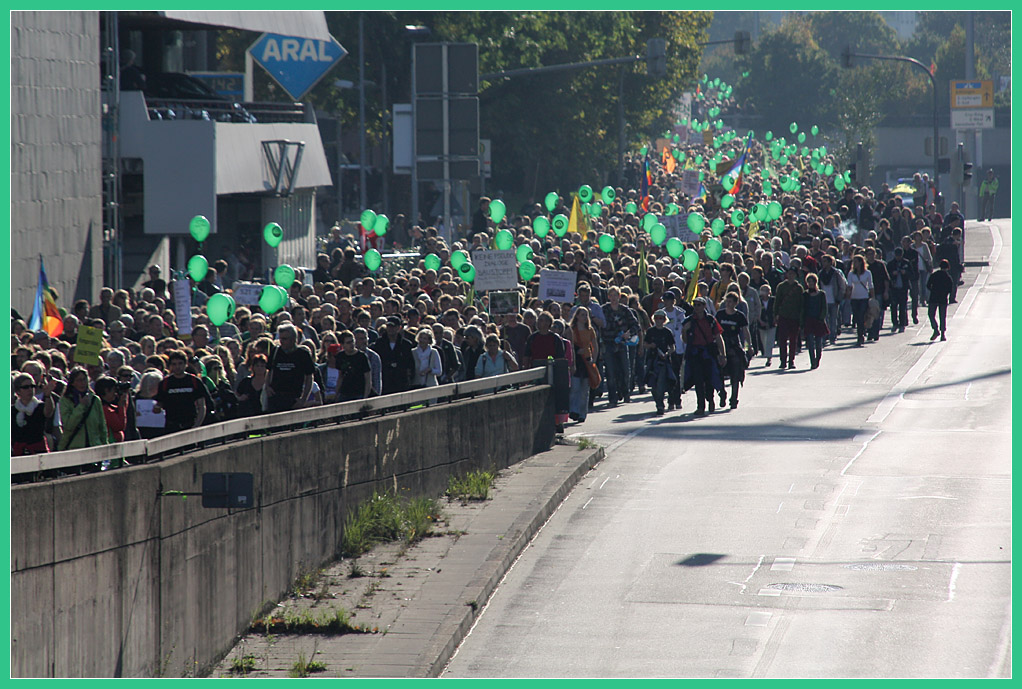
(361, 113)
(974, 140)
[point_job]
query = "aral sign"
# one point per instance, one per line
(297, 64)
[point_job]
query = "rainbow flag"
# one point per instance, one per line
(45, 314)
(736, 169)
(701, 193)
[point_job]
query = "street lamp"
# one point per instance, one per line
(846, 61)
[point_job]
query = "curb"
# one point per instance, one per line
(454, 629)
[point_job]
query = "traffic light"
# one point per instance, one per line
(846, 56)
(966, 174)
(743, 42)
(656, 57)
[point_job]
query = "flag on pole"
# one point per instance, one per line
(693, 280)
(643, 274)
(45, 314)
(647, 180)
(736, 170)
(577, 222)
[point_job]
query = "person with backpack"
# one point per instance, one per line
(494, 361)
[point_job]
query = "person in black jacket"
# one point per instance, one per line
(940, 284)
(396, 358)
(948, 250)
(901, 273)
(881, 282)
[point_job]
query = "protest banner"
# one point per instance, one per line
(504, 302)
(183, 306)
(495, 269)
(88, 344)
(247, 293)
(557, 285)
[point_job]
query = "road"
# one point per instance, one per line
(852, 521)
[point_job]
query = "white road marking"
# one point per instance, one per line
(783, 564)
(967, 388)
(1003, 645)
(859, 453)
(625, 439)
(951, 582)
(754, 569)
(888, 403)
(758, 619)
(779, 508)
(768, 592)
(791, 487)
(604, 483)
(587, 503)
(926, 497)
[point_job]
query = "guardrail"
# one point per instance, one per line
(139, 451)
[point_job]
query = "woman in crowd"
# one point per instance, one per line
(860, 291)
(145, 397)
(814, 314)
(225, 401)
(29, 416)
(250, 389)
(704, 355)
(81, 412)
(494, 361)
(427, 360)
(586, 351)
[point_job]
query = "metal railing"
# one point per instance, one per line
(141, 451)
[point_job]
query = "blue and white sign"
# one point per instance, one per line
(296, 63)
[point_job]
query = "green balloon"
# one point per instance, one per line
(606, 243)
(527, 270)
(758, 212)
(458, 259)
(696, 222)
(814, 130)
(541, 226)
(273, 234)
(381, 225)
(675, 247)
(801, 137)
(823, 150)
(372, 260)
(728, 182)
(717, 227)
(198, 266)
(595, 209)
(769, 135)
(608, 194)
(467, 272)
(658, 234)
(804, 151)
(220, 308)
(432, 262)
(643, 150)
(783, 160)
(198, 227)
(767, 189)
(497, 210)
(649, 220)
(284, 275)
(368, 219)
(737, 217)
(714, 249)
(523, 253)
(727, 201)
(630, 207)
(793, 127)
(504, 239)
(585, 193)
(839, 183)
(672, 209)
(551, 201)
(828, 169)
(690, 259)
(774, 210)
(272, 298)
(560, 224)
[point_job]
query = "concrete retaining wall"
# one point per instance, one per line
(109, 579)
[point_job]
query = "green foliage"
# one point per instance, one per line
(333, 621)
(865, 32)
(242, 665)
(303, 667)
(475, 485)
(385, 518)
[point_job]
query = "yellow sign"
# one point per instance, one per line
(88, 344)
(972, 94)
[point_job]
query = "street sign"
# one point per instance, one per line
(974, 118)
(227, 84)
(972, 94)
(296, 63)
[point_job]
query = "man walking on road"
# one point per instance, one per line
(940, 285)
(987, 192)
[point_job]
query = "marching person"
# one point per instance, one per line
(704, 355)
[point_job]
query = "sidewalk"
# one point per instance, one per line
(422, 600)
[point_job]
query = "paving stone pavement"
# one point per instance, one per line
(417, 603)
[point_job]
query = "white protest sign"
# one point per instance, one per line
(183, 306)
(690, 183)
(557, 285)
(247, 293)
(495, 270)
(677, 226)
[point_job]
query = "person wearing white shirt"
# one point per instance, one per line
(675, 317)
(427, 360)
(860, 291)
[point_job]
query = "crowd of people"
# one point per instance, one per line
(834, 262)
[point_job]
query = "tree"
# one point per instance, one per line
(790, 77)
(865, 32)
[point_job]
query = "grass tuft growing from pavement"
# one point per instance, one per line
(475, 485)
(385, 518)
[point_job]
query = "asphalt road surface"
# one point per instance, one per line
(852, 521)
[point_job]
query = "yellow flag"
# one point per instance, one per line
(692, 282)
(753, 229)
(577, 222)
